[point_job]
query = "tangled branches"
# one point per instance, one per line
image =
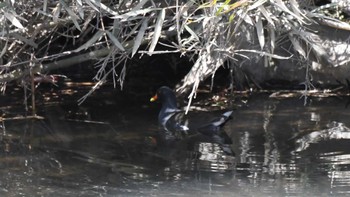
(39, 36)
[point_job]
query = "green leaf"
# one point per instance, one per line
(232, 16)
(222, 7)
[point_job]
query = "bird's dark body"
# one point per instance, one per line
(178, 125)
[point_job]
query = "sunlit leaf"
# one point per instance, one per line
(157, 30)
(297, 46)
(321, 53)
(135, 13)
(222, 7)
(139, 37)
(90, 42)
(56, 12)
(183, 9)
(104, 7)
(244, 15)
(266, 15)
(139, 5)
(206, 21)
(193, 34)
(4, 49)
(80, 8)
(92, 5)
(12, 18)
(284, 8)
(257, 4)
(115, 41)
(272, 39)
(236, 5)
(263, 53)
(205, 5)
(295, 8)
(72, 15)
(45, 6)
(260, 31)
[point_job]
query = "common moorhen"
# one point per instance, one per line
(176, 124)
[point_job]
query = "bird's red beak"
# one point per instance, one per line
(154, 98)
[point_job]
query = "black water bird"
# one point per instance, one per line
(178, 125)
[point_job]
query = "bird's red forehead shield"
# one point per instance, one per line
(154, 98)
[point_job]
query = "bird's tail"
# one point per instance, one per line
(213, 127)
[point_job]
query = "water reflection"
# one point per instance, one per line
(335, 131)
(282, 148)
(287, 148)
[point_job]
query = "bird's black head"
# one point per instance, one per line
(166, 96)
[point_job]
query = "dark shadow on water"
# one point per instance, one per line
(282, 148)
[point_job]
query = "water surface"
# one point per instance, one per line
(101, 148)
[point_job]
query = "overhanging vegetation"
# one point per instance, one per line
(41, 36)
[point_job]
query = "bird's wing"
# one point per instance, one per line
(178, 124)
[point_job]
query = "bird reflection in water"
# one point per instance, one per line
(214, 157)
(195, 153)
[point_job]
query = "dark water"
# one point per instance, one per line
(101, 148)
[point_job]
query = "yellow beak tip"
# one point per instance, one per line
(154, 98)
